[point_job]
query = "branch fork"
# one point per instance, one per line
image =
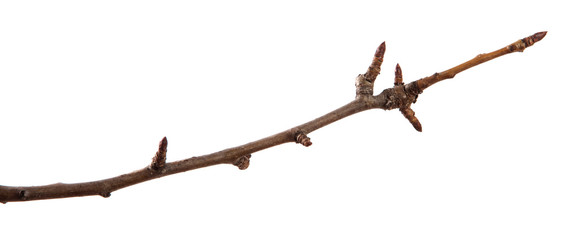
(401, 96)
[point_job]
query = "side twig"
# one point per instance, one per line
(400, 96)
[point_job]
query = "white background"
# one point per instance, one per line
(88, 89)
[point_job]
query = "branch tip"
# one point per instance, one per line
(374, 68)
(243, 162)
(530, 40)
(417, 125)
(380, 50)
(159, 160)
(538, 36)
(23, 194)
(410, 115)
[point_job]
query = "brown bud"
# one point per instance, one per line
(399, 76)
(530, 40)
(303, 139)
(538, 36)
(374, 68)
(159, 159)
(410, 115)
(380, 51)
(243, 162)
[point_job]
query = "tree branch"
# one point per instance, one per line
(400, 96)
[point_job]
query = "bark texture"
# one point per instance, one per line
(400, 96)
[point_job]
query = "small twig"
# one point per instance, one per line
(374, 69)
(365, 82)
(400, 96)
(518, 46)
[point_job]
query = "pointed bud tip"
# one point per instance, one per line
(418, 127)
(380, 51)
(382, 46)
(539, 36)
(398, 81)
(163, 144)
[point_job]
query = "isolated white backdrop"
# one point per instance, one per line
(87, 90)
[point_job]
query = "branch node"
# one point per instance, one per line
(243, 162)
(23, 194)
(413, 88)
(363, 86)
(105, 194)
(159, 160)
(302, 139)
(391, 100)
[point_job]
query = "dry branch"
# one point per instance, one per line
(400, 96)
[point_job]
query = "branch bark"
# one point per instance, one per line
(400, 96)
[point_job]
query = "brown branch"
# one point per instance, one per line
(518, 46)
(400, 96)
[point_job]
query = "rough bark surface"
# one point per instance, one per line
(401, 96)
